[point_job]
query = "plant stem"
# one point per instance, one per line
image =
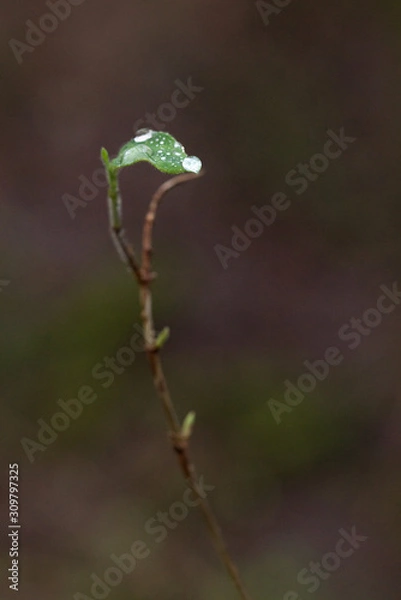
(179, 442)
(123, 247)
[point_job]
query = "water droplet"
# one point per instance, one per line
(142, 135)
(193, 164)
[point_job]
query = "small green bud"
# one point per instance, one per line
(187, 426)
(104, 155)
(162, 337)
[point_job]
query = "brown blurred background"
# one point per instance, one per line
(267, 95)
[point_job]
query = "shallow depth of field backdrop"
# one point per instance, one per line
(263, 94)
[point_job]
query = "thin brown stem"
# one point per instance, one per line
(147, 236)
(125, 251)
(179, 442)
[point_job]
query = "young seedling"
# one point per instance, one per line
(167, 155)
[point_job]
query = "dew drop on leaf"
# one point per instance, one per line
(192, 164)
(142, 135)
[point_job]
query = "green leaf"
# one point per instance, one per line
(160, 149)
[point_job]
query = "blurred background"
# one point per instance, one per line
(259, 88)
